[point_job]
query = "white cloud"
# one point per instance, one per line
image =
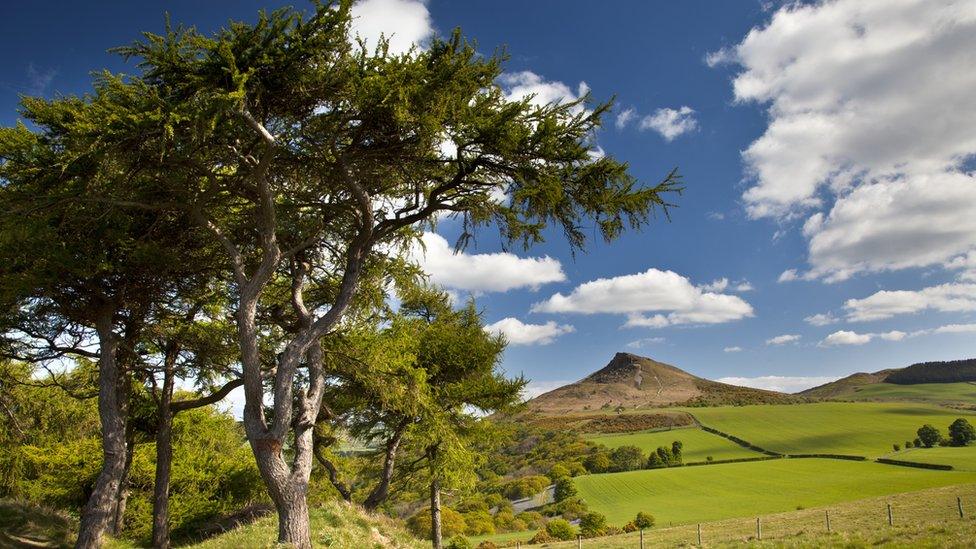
(821, 319)
(735, 349)
(520, 333)
(670, 123)
(536, 388)
(744, 286)
(788, 275)
(783, 339)
(715, 216)
(783, 384)
(718, 285)
(523, 84)
(624, 117)
(871, 110)
(641, 343)
(845, 337)
(894, 335)
(403, 22)
(672, 296)
(887, 303)
(491, 272)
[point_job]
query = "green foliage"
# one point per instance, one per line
(644, 520)
(598, 462)
(593, 524)
(558, 470)
(961, 432)
(560, 529)
(564, 488)
(909, 444)
(478, 523)
(626, 458)
(929, 435)
(676, 449)
(525, 487)
(896, 447)
(458, 542)
(452, 523)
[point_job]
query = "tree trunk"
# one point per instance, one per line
(164, 462)
(382, 490)
(101, 505)
(118, 520)
(435, 513)
(293, 526)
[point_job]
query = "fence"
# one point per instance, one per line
(953, 504)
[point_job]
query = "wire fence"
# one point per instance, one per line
(929, 508)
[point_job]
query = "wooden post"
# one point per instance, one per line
(579, 541)
(758, 529)
(699, 534)
(890, 522)
(959, 505)
(518, 545)
(642, 538)
(827, 515)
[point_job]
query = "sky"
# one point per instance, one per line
(828, 149)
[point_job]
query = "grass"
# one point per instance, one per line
(927, 392)
(856, 428)
(714, 492)
(697, 444)
(962, 459)
(926, 518)
(334, 524)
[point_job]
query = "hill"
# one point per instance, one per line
(632, 382)
(940, 382)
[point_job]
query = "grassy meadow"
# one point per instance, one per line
(961, 459)
(697, 444)
(855, 428)
(927, 392)
(714, 492)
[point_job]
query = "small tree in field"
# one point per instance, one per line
(929, 435)
(908, 444)
(896, 447)
(644, 520)
(676, 447)
(564, 489)
(593, 524)
(961, 432)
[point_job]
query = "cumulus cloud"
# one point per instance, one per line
(520, 333)
(783, 339)
(789, 275)
(624, 117)
(954, 297)
(403, 22)
(670, 123)
(783, 384)
(871, 113)
(673, 298)
(735, 349)
(821, 319)
(490, 272)
(535, 388)
(523, 84)
(847, 337)
(641, 343)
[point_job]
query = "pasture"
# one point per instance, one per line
(714, 492)
(962, 459)
(697, 444)
(927, 392)
(854, 428)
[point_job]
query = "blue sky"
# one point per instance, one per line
(827, 150)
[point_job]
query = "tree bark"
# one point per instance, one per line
(435, 513)
(382, 490)
(101, 505)
(118, 520)
(164, 462)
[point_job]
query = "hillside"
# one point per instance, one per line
(633, 382)
(949, 381)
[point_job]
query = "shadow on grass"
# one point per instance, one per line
(28, 525)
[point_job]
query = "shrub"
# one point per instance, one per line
(458, 542)
(917, 442)
(644, 520)
(929, 435)
(479, 523)
(626, 458)
(487, 545)
(452, 523)
(531, 519)
(597, 463)
(676, 447)
(557, 471)
(709, 458)
(542, 537)
(961, 432)
(896, 447)
(560, 529)
(564, 488)
(908, 444)
(593, 524)
(630, 527)
(525, 487)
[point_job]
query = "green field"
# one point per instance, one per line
(856, 428)
(697, 444)
(962, 459)
(925, 392)
(714, 492)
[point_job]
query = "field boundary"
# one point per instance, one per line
(828, 456)
(739, 441)
(916, 464)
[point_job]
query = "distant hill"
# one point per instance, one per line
(890, 384)
(634, 382)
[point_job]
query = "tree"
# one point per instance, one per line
(560, 529)
(285, 139)
(644, 520)
(896, 447)
(676, 447)
(593, 524)
(961, 432)
(626, 458)
(598, 462)
(564, 489)
(929, 435)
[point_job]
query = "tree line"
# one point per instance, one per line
(239, 213)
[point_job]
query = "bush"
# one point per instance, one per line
(676, 447)
(908, 444)
(542, 537)
(560, 529)
(929, 435)
(458, 542)
(709, 458)
(558, 471)
(961, 432)
(525, 487)
(896, 447)
(644, 520)
(626, 458)
(917, 442)
(531, 519)
(479, 523)
(597, 463)
(452, 523)
(564, 489)
(487, 545)
(629, 527)
(593, 524)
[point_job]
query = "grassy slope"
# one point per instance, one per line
(859, 428)
(925, 518)
(927, 392)
(713, 492)
(334, 524)
(698, 444)
(962, 459)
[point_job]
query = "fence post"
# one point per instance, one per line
(959, 504)
(579, 541)
(642, 538)
(699, 534)
(890, 522)
(827, 515)
(518, 544)
(758, 529)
